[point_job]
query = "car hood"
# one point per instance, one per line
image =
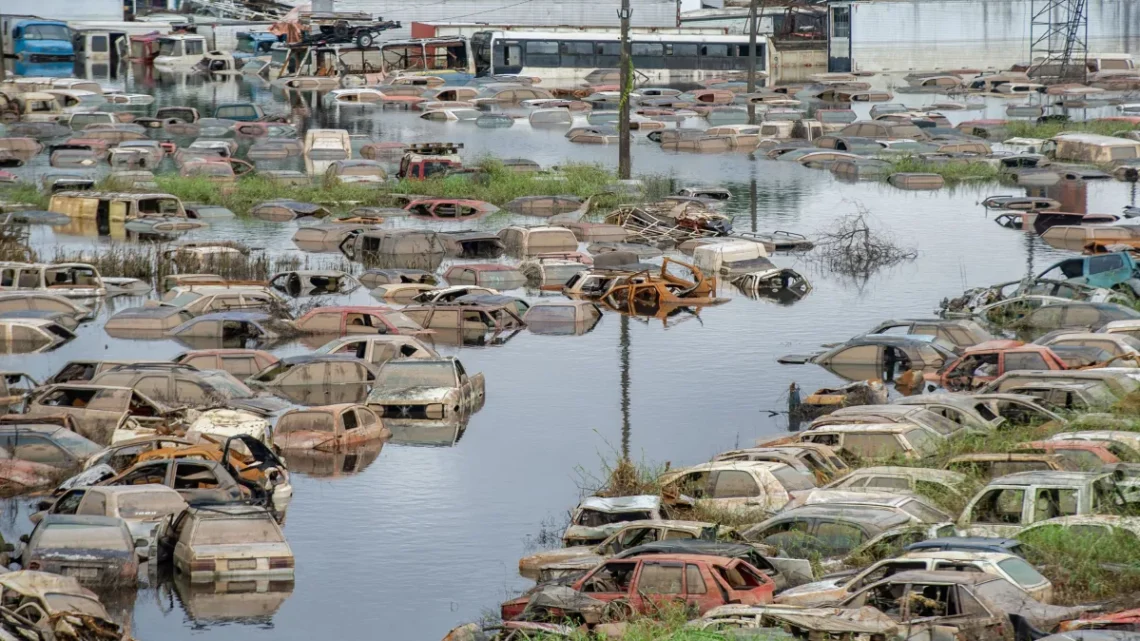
(260, 404)
(560, 556)
(812, 588)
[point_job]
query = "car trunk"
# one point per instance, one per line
(243, 558)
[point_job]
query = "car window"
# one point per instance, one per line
(888, 568)
(95, 504)
(889, 482)
(1021, 572)
(611, 578)
(111, 400)
(38, 449)
(735, 484)
(1024, 361)
(194, 476)
(144, 474)
(872, 446)
(840, 538)
(694, 582)
(68, 503)
(1000, 506)
(1050, 503)
(660, 578)
(791, 478)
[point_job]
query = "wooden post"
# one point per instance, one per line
(626, 79)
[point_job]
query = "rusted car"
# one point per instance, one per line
(647, 292)
(197, 480)
(986, 361)
(631, 534)
(841, 585)
(466, 324)
(572, 317)
(328, 428)
(495, 276)
(627, 587)
(315, 370)
(819, 460)
(1087, 457)
(372, 278)
(96, 550)
(875, 441)
(879, 356)
(923, 481)
(241, 363)
(123, 454)
(379, 349)
(358, 320)
(426, 388)
(989, 466)
(56, 607)
(1009, 503)
(310, 282)
(738, 485)
(183, 386)
(450, 209)
(97, 410)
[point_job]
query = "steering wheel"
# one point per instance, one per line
(240, 167)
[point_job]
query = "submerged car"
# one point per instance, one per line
(328, 428)
(96, 550)
(425, 388)
(225, 542)
(140, 506)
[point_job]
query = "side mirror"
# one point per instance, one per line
(24, 538)
(142, 543)
(44, 505)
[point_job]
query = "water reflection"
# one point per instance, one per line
(250, 602)
(427, 433)
(320, 464)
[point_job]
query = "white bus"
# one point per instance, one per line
(569, 56)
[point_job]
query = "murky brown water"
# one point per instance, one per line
(423, 537)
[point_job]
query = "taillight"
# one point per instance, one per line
(280, 562)
(203, 566)
(34, 565)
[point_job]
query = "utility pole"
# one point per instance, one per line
(3, 60)
(753, 19)
(626, 79)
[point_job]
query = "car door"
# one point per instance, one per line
(659, 585)
(370, 427)
(466, 389)
(736, 489)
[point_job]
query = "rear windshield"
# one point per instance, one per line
(75, 443)
(875, 446)
(305, 422)
(243, 530)
(923, 513)
(1021, 572)
(551, 313)
(83, 536)
(150, 505)
(791, 479)
(592, 518)
(410, 374)
(235, 112)
(401, 321)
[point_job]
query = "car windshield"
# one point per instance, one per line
(150, 505)
(593, 518)
(236, 112)
(400, 375)
(82, 536)
(183, 300)
(400, 321)
(47, 32)
(244, 530)
(75, 604)
(169, 48)
(551, 314)
(226, 384)
(75, 443)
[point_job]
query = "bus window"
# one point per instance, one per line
(609, 54)
(542, 53)
(578, 54)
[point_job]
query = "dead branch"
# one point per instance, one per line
(852, 248)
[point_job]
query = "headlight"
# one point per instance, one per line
(435, 410)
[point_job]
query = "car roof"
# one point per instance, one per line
(621, 503)
(967, 541)
(924, 473)
(317, 358)
(228, 511)
(936, 576)
(1050, 477)
(880, 517)
(82, 519)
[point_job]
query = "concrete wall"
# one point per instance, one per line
(646, 13)
(926, 35)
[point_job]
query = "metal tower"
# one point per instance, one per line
(1059, 35)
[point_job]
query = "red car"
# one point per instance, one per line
(1127, 621)
(645, 583)
(986, 361)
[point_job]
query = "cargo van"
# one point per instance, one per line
(106, 209)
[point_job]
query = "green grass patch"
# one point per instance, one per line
(1085, 564)
(1029, 129)
(23, 193)
(494, 184)
(950, 171)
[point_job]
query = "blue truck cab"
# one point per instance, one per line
(251, 44)
(35, 40)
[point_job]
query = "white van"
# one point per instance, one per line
(731, 257)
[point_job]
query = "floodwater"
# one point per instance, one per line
(427, 534)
